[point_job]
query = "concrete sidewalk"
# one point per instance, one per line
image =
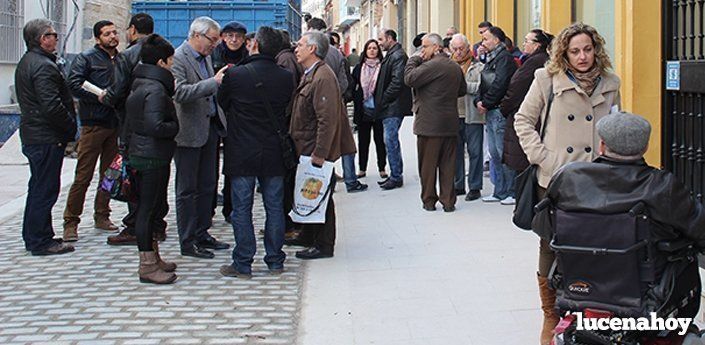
(402, 275)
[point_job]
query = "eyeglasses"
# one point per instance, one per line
(54, 34)
(212, 41)
(234, 35)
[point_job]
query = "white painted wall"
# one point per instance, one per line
(33, 10)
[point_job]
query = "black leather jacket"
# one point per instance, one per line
(495, 78)
(48, 115)
(392, 96)
(97, 67)
(151, 116)
(608, 186)
(125, 63)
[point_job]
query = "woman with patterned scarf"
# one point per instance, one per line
(569, 96)
(365, 76)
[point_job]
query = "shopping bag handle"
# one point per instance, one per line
(325, 195)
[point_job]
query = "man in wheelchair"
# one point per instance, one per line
(626, 235)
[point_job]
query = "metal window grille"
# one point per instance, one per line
(11, 22)
(56, 12)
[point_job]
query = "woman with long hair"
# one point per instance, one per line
(365, 76)
(573, 92)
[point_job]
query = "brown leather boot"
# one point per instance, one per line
(165, 266)
(124, 238)
(70, 232)
(104, 223)
(150, 272)
(550, 316)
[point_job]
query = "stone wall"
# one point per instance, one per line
(116, 11)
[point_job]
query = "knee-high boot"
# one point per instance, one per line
(550, 315)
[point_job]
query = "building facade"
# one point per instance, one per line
(81, 15)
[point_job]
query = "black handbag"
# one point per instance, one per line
(289, 155)
(526, 185)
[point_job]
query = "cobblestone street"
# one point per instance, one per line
(93, 296)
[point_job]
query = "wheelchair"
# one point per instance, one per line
(608, 265)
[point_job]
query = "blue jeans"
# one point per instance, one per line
(243, 188)
(391, 141)
(504, 180)
(470, 136)
(45, 161)
(349, 174)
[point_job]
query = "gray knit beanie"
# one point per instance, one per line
(624, 134)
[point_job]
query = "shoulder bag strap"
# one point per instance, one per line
(548, 111)
(263, 95)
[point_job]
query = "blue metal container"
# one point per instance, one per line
(172, 19)
(9, 122)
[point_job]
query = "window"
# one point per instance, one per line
(56, 12)
(528, 17)
(11, 22)
(600, 15)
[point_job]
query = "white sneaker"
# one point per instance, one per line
(508, 201)
(490, 198)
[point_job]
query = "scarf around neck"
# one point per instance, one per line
(586, 80)
(368, 77)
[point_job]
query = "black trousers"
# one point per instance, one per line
(364, 129)
(151, 186)
(322, 235)
(196, 177)
(227, 198)
(289, 182)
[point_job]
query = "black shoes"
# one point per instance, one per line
(473, 195)
(383, 181)
(230, 271)
(197, 252)
(55, 248)
(359, 187)
(390, 184)
(297, 241)
(312, 253)
(429, 207)
(212, 243)
(460, 192)
(448, 209)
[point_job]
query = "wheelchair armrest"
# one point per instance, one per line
(638, 209)
(673, 246)
(546, 202)
(595, 250)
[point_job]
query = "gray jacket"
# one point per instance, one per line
(195, 94)
(335, 60)
(472, 78)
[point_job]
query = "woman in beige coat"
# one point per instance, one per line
(584, 91)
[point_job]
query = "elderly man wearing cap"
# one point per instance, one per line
(231, 49)
(619, 178)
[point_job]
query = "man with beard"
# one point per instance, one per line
(99, 128)
(141, 25)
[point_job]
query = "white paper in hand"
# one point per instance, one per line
(92, 88)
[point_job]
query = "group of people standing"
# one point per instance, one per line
(158, 103)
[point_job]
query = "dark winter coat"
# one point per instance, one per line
(48, 115)
(252, 146)
(495, 78)
(151, 123)
(97, 67)
(513, 155)
(392, 96)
